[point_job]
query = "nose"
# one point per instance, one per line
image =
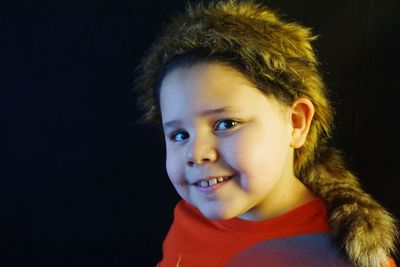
(201, 150)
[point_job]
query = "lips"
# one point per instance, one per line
(211, 181)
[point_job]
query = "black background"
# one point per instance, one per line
(82, 185)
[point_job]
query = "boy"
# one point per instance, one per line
(247, 125)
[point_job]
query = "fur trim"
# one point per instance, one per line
(360, 226)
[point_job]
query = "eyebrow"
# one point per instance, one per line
(203, 113)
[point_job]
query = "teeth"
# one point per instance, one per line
(211, 182)
(203, 183)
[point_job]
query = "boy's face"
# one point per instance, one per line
(228, 145)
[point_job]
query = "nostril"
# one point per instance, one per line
(195, 162)
(202, 161)
(201, 150)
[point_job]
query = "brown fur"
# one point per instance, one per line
(278, 58)
(360, 226)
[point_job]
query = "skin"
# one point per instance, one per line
(245, 135)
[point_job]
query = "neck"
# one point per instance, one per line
(288, 197)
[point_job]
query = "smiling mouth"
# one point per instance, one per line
(209, 182)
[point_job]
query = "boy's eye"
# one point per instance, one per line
(225, 124)
(178, 136)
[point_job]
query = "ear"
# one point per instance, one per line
(302, 113)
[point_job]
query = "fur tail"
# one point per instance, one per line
(360, 226)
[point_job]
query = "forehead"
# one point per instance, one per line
(208, 86)
(206, 81)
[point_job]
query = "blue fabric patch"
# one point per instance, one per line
(311, 250)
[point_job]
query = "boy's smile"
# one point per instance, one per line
(211, 184)
(229, 147)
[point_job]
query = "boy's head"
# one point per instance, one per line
(229, 146)
(274, 55)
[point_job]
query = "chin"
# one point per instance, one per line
(217, 214)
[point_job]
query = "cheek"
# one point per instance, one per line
(257, 152)
(242, 152)
(174, 168)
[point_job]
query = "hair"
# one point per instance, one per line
(278, 58)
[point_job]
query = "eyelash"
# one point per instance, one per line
(173, 135)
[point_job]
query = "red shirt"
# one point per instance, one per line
(194, 240)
